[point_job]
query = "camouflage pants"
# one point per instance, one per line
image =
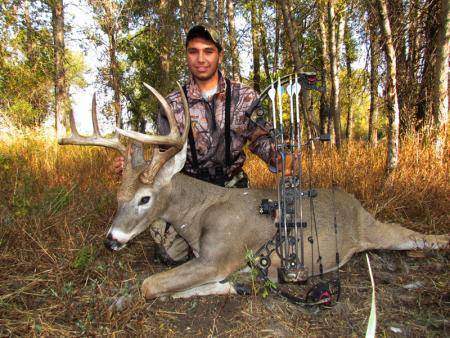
(172, 248)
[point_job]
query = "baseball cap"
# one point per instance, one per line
(206, 32)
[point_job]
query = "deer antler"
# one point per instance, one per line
(96, 139)
(174, 140)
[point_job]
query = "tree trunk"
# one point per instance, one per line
(324, 112)
(291, 35)
(348, 63)
(61, 102)
(115, 81)
(29, 32)
(413, 58)
(110, 28)
(220, 18)
(183, 6)
(440, 93)
(413, 42)
(211, 12)
(164, 10)
(341, 20)
(235, 68)
(277, 38)
(391, 85)
(426, 76)
(255, 46)
(199, 10)
(397, 22)
(374, 63)
(332, 50)
(265, 49)
(305, 104)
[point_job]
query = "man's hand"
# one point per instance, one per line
(289, 162)
(119, 165)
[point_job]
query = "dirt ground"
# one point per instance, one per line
(57, 279)
(43, 294)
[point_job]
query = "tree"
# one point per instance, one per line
(62, 105)
(235, 67)
(199, 9)
(220, 23)
(108, 13)
(263, 34)
(324, 110)
(440, 93)
(350, 57)
(397, 20)
(334, 75)
(256, 38)
(276, 50)
(426, 74)
(153, 45)
(290, 32)
(210, 11)
(391, 85)
(27, 64)
(374, 63)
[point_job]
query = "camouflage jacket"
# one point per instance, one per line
(208, 126)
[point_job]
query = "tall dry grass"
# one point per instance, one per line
(40, 178)
(416, 194)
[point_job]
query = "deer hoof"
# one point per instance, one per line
(147, 290)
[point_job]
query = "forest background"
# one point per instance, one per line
(383, 65)
(383, 69)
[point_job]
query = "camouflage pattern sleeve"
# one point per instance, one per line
(258, 134)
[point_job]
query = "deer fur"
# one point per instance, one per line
(222, 224)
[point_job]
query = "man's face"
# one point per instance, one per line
(203, 58)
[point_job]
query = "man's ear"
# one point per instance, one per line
(171, 167)
(221, 54)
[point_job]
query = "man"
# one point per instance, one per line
(220, 127)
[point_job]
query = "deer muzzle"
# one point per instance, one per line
(113, 244)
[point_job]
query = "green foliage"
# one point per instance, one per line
(84, 258)
(357, 91)
(26, 66)
(143, 64)
(56, 199)
(5, 163)
(267, 286)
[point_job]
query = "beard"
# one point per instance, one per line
(206, 75)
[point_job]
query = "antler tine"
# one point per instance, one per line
(187, 115)
(174, 138)
(73, 126)
(169, 114)
(94, 115)
(96, 139)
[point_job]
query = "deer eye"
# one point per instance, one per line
(144, 200)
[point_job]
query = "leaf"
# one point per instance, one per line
(84, 257)
(372, 323)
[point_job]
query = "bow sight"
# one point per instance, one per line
(287, 210)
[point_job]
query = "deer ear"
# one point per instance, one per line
(171, 167)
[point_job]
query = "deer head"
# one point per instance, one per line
(146, 183)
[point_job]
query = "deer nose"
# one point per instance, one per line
(112, 244)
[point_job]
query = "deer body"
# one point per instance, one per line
(222, 224)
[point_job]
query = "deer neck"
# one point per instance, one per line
(189, 197)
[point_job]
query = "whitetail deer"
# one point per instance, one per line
(222, 224)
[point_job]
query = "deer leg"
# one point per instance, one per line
(393, 236)
(196, 272)
(216, 288)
